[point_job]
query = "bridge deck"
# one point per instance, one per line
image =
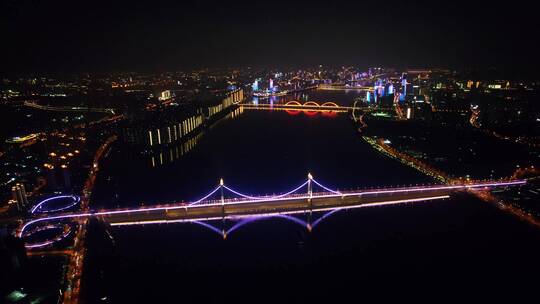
(264, 106)
(256, 206)
(251, 208)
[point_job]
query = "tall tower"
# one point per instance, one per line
(255, 85)
(404, 83)
(19, 195)
(403, 87)
(379, 87)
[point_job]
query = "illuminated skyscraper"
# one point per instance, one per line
(404, 83)
(165, 95)
(255, 85)
(19, 195)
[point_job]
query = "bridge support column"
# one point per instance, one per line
(310, 192)
(221, 183)
(310, 186)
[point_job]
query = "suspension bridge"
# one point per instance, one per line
(224, 202)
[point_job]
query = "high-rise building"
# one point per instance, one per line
(404, 83)
(58, 178)
(379, 88)
(165, 95)
(19, 196)
(66, 177)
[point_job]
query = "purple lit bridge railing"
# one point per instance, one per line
(225, 203)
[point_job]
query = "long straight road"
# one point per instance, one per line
(290, 205)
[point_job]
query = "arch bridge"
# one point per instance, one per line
(293, 105)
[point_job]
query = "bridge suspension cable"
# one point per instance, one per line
(325, 188)
(266, 197)
(207, 196)
(271, 212)
(233, 191)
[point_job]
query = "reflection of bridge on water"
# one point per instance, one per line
(243, 208)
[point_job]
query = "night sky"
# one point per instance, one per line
(77, 36)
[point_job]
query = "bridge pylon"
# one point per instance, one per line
(221, 184)
(310, 192)
(310, 186)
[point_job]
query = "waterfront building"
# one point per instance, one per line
(165, 95)
(178, 124)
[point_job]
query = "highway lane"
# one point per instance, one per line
(284, 206)
(270, 205)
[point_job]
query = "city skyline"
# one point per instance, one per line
(268, 151)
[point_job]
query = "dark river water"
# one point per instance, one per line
(459, 248)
